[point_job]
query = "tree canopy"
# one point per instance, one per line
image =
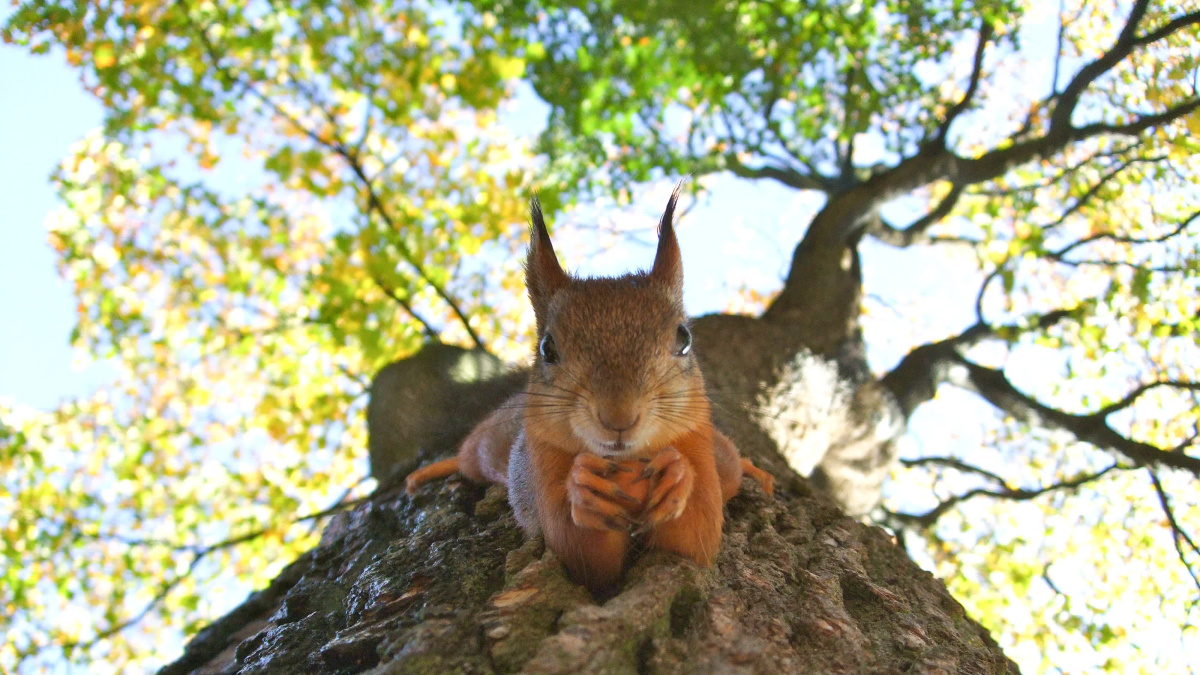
(285, 197)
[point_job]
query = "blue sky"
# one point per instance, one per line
(43, 110)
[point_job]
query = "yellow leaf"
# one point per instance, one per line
(105, 58)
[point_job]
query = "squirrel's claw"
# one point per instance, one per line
(596, 502)
(669, 495)
(599, 466)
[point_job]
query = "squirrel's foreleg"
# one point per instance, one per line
(684, 509)
(584, 517)
(429, 472)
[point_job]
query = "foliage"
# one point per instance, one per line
(285, 197)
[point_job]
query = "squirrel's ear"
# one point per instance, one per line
(668, 264)
(543, 275)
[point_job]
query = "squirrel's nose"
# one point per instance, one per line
(618, 420)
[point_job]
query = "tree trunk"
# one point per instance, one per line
(443, 582)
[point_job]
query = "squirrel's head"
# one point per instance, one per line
(613, 370)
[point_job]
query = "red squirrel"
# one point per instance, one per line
(615, 405)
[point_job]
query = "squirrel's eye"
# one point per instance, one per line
(548, 349)
(683, 340)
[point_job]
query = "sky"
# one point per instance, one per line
(42, 112)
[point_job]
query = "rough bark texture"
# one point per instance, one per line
(444, 583)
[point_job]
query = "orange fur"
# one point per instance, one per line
(765, 480)
(429, 472)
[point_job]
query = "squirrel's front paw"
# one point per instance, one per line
(671, 480)
(597, 501)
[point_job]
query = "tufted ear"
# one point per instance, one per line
(543, 275)
(668, 264)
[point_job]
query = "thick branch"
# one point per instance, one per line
(1138, 125)
(920, 372)
(998, 162)
(935, 162)
(1166, 29)
(1060, 119)
(853, 208)
(916, 378)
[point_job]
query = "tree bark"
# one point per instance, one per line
(444, 583)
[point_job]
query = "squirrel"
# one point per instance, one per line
(615, 406)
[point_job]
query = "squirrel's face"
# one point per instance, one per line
(614, 372)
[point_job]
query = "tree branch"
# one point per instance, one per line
(1134, 395)
(1179, 229)
(1060, 118)
(998, 162)
(1168, 28)
(199, 553)
(789, 177)
(985, 34)
(919, 373)
(1095, 188)
(1046, 181)
(1058, 51)
(928, 518)
(956, 464)
(430, 332)
(915, 379)
(852, 208)
(351, 158)
(935, 162)
(917, 232)
(1138, 125)
(1178, 535)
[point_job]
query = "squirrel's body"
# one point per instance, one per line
(614, 381)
